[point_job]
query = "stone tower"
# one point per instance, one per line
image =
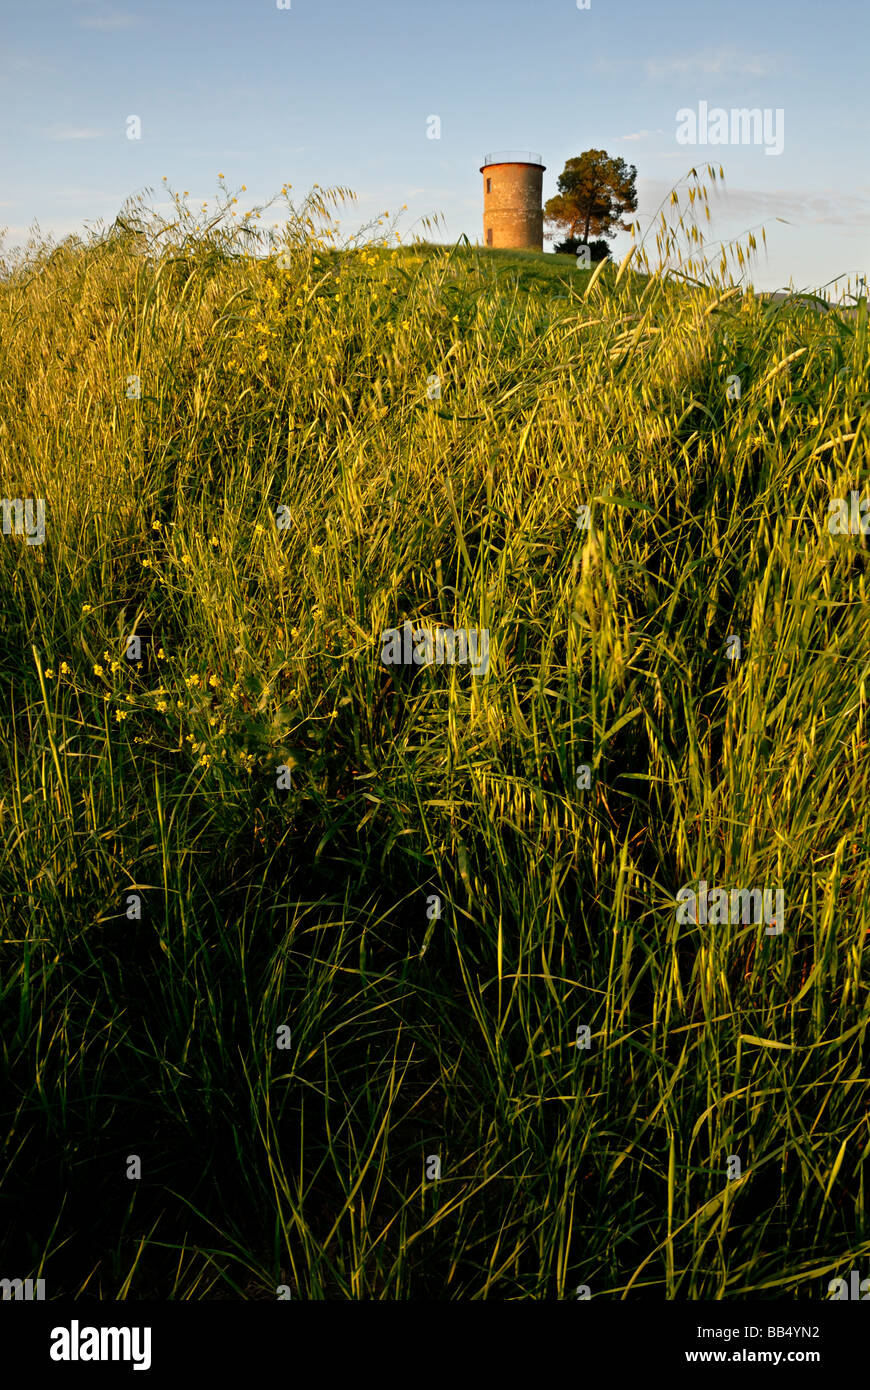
(512, 190)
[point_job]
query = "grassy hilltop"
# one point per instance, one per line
(245, 464)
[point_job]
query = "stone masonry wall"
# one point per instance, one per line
(512, 210)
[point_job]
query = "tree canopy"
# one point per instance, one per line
(595, 192)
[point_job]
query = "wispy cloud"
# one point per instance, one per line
(722, 62)
(104, 18)
(108, 22)
(92, 196)
(641, 134)
(73, 132)
(799, 207)
(30, 66)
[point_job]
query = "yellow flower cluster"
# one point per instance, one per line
(265, 319)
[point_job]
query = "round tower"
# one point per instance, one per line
(512, 191)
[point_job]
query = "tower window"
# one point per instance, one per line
(489, 185)
(489, 236)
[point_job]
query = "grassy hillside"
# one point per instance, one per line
(246, 465)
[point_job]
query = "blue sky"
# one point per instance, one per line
(339, 92)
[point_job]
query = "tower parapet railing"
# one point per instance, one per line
(513, 157)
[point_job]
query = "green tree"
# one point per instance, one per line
(595, 192)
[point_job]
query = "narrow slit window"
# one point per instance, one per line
(489, 236)
(489, 185)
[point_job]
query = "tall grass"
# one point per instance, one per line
(287, 378)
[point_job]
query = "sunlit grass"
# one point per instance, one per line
(242, 465)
